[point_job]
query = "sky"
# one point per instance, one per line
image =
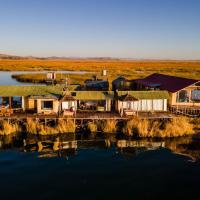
(139, 29)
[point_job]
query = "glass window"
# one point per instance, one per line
(5, 101)
(183, 96)
(16, 102)
(196, 95)
(47, 105)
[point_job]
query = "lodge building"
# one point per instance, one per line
(155, 93)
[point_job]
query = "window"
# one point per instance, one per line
(4, 101)
(16, 102)
(196, 95)
(73, 94)
(47, 105)
(183, 96)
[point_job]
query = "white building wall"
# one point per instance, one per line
(69, 104)
(23, 103)
(165, 105)
(149, 104)
(144, 105)
(158, 104)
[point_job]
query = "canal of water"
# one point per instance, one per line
(6, 76)
(98, 167)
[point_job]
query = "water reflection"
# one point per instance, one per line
(70, 144)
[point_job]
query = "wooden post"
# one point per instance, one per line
(10, 102)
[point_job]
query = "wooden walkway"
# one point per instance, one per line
(88, 116)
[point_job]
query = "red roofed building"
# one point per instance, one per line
(182, 91)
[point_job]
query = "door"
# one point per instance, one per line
(65, 105)
(35, 106)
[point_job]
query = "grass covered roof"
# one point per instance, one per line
(53, 90)
(29, 90)
(92, 95)
(158, 94)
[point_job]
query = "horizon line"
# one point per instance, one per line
(4, 55)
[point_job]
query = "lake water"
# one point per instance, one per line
(6, 76)
(98, 168)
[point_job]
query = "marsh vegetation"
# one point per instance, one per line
(129, 69)
(175, 127)
(135, 127)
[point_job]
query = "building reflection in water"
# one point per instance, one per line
(68, 145)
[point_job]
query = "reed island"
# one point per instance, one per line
(157, 105)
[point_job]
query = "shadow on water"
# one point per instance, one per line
(96, 166)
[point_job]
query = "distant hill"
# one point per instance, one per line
(4, 56)
(13, 57)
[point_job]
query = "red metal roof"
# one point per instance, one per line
(166, 82)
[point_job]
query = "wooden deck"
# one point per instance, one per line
(89, 116)
(190, 111)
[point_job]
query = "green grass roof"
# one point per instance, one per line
(29, 90)
(92, 95)
(146, 94)
(53, 90)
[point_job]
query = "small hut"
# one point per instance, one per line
(44, 104)
(68, 103)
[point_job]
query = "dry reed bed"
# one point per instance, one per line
(7, 128)
(63, 126)
(130, 69)
(176, 127)
(105, 126)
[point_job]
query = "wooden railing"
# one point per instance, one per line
(185, 111)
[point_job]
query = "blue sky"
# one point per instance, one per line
(157, 29)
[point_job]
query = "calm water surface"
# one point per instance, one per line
(6, 76)
(71, 167)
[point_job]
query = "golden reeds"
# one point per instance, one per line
(110, 126)
(179, 126)
(31, 127)
(7, 128)
(63, 126)
(92, 127)
(130, 69)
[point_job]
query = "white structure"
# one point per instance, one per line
(142, 101)
(104, 72)
(51, 75)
